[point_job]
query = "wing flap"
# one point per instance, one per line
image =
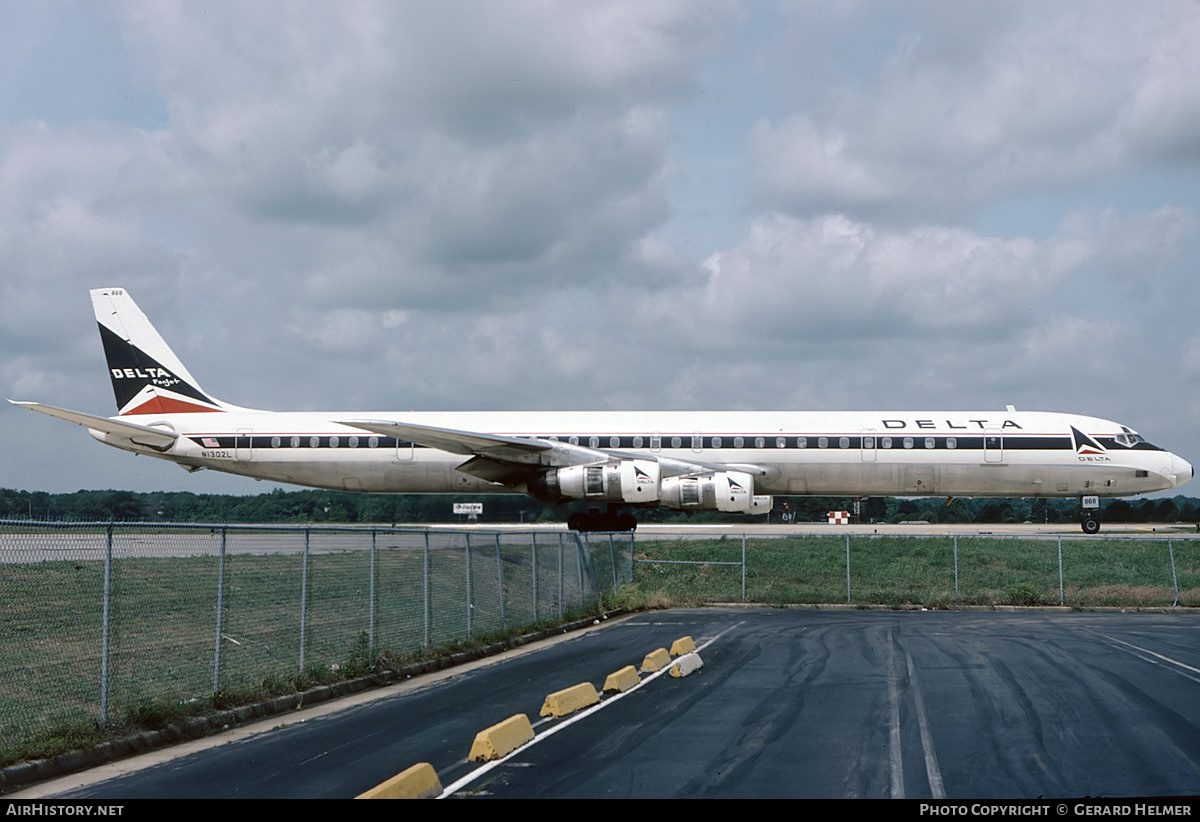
(504, 473)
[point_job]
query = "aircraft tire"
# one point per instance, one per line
(1090, 525)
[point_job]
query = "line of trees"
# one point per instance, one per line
(335, 507)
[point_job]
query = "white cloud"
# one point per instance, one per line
(474, 205)
(1043, 97)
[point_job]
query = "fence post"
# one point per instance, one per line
(743, 567)
(612, 560)
(426, 588)
(560, 574)
(470, 603)
(1061, 595)
(106, 623)
(304, 600)
(579, 565)
(220, 613)
(632, 543)
(371, 604)
(956, 594)
(587, 568)
(1174, 577)
(847, 569)
(533, 553)
(500, 582)
(632, 580)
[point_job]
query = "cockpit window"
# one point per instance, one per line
(1132, 439)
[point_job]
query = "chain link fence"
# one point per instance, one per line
(942, 570)
(102, 620)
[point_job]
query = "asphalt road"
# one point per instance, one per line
(789, 703)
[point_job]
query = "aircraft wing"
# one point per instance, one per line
(158, 438)
(497, 447)
(510, 460)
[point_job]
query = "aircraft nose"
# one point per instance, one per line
(1182, 470)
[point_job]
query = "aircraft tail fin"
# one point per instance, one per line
(147, 377)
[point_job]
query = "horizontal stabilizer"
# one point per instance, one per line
(141, 434)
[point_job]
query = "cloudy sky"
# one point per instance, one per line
(601, 205)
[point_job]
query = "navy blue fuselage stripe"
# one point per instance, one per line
(692, 442)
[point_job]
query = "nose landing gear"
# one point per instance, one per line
(1089, 515)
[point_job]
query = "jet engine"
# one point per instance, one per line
(624, 480)
(728, 491)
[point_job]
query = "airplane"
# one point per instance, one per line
(687, 460)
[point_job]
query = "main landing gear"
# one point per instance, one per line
(610, 520)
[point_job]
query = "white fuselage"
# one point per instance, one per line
(863, 453)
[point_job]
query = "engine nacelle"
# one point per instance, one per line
(629, 480)
(727, 491)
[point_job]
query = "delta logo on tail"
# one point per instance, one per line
(144, 386)
(1086, 448)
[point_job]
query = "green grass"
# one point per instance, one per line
(919, 571)
(163, 634)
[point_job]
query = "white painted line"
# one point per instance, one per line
(895, 751)
(454, 787)
(931, 764)
(1146, 654)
